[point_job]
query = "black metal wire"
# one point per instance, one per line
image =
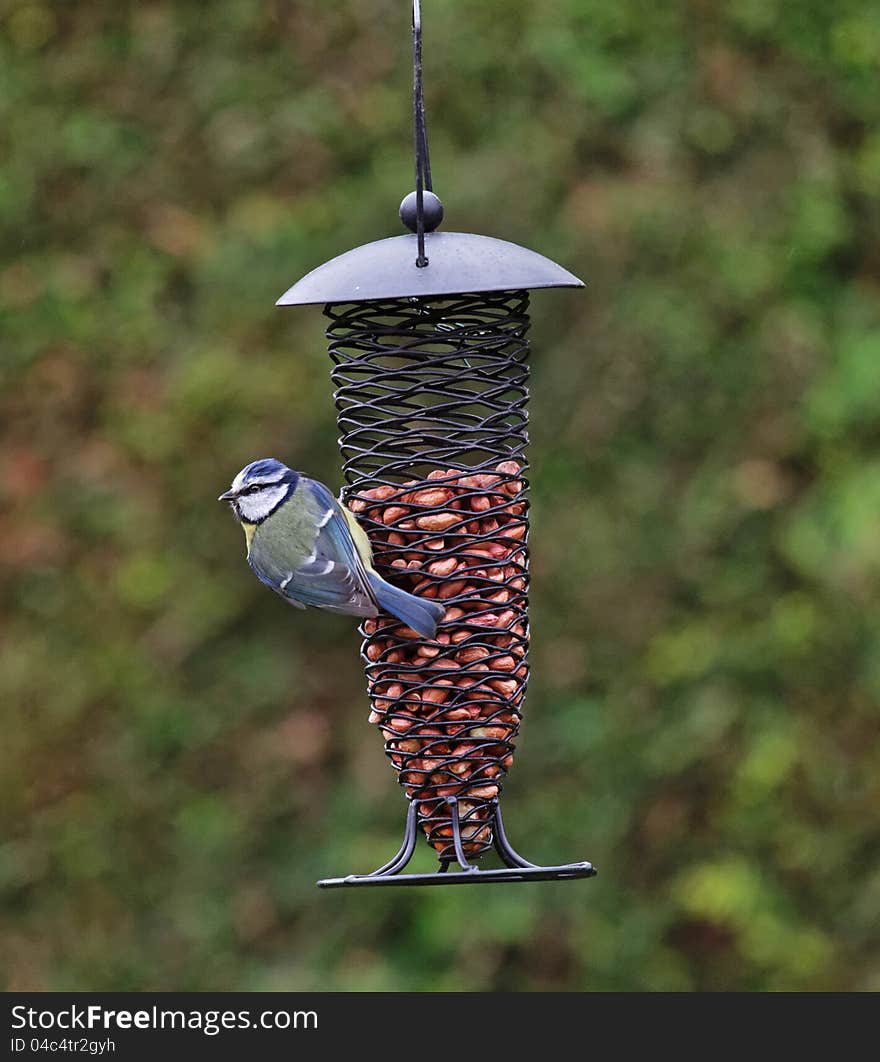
(432, 396)
(420, 135)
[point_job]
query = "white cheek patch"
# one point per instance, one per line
(256, 507)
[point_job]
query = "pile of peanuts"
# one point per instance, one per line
(449, 708)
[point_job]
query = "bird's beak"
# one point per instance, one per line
(227, 495)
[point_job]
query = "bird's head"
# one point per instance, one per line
(259, 489)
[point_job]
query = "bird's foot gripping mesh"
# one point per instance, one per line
(432, 396)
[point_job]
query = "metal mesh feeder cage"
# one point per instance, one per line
(427, 337)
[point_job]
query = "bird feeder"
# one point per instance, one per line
(427, 336)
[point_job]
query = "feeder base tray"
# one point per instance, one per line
(464, 877)
(517, 868)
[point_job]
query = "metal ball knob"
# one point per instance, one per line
(432, 211)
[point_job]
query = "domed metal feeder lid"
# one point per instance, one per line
(458, 262)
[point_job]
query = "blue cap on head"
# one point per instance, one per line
(267, 468)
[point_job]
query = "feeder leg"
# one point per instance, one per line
(504, 848)
(456, 836)
(406, 849)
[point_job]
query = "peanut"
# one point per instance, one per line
(436, 521)
(457, 713)
(443, 567)
(486, 791)
(400, 724)
(472, 653)
(451, 589)
(505, 686)
(435, 695)
(504, 663)
(431, 498)
(488, 733)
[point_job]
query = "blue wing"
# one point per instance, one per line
(325, 569)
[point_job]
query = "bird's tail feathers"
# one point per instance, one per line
(420, 613)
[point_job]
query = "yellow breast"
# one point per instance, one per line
(362, 543)
(248, 533)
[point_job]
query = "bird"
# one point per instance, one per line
(307, 547)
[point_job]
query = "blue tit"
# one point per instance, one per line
(310, 549)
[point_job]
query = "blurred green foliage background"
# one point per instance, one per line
(182, 755)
